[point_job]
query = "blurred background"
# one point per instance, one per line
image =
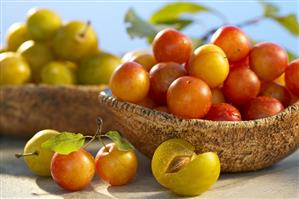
(107, 18)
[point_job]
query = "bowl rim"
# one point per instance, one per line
(106, 98)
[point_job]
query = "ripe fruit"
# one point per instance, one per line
(189, 97)
(170, 45)
(277, 91)
(74, 41)
(58, 73)
(280, 80)
(176, 166)
(161, 76)
(97, 69)
(241, 85)
(243, 62)
(74, 171)
(268, 60)
(144, 59)
(16, 35)
(217, 96)
(37, 56)
(292, 77)
(131, 54)
(233, 42)
(147, 102)
(114, 166)
(42, 23)
(262, 106)
(130, 82)
(14, 69)
(210, 64)
(38, 159)
(162, 109)
(223, 112)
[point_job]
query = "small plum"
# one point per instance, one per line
(223, 112)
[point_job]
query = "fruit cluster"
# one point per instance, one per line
(229, 79)
(62, 156)
(46, 50)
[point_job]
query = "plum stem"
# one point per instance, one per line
(97, 134)
(18, 155)
(84, 30)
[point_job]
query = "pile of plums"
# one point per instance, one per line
(46, 50)
(228, 79)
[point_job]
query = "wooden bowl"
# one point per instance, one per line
(241, 146)
(26, 109)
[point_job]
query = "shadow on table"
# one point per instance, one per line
(48, 185)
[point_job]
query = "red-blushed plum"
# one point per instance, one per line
(223, 112)
(170, 45)
(233, 41)
(268, 60)
(261, 107)
(74, 171)
(189, 97)
(130, 82)
(161, 76)
(241, 85)
(292, 77)
(277, 91)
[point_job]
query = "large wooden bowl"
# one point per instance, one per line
(241, 146)
(26, 109)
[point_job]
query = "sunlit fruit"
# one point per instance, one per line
(241, 85)
(233, 41)
(97, 69)
(145, 59)
(14, 69)
(74, 171)
(75, 40)
(217, 96)
(130, 82)
(16, 35)
(131, 54)
(189, 97)
(210, 64)
(292, 77)
(37, 158)
(42, 23)
(37, 56)
(176, 166)
(280, 80)
(58, 73)
(268, 60)
(161, 76)
(277, 91)
(261, 107)
(114, 166)
(170, 45)
(223, 112)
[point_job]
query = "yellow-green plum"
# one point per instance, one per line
(37, 158)
(16, 35)
(37, 55)
(58, 73)
(97, 69)
(13, 69)
(175, 165)
(75, 40)
(42, 23)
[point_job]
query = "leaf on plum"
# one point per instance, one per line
(120, 142)
(65, 142)
(269, 9)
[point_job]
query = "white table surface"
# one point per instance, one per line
(16, 181)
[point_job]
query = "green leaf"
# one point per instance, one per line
(269, 9)
(196, 42)
(137, 27)
(290, 22)
(65, 143)
(178, 24)
(173, 11)
(120, 142)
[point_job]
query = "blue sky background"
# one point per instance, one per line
(108, 19)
